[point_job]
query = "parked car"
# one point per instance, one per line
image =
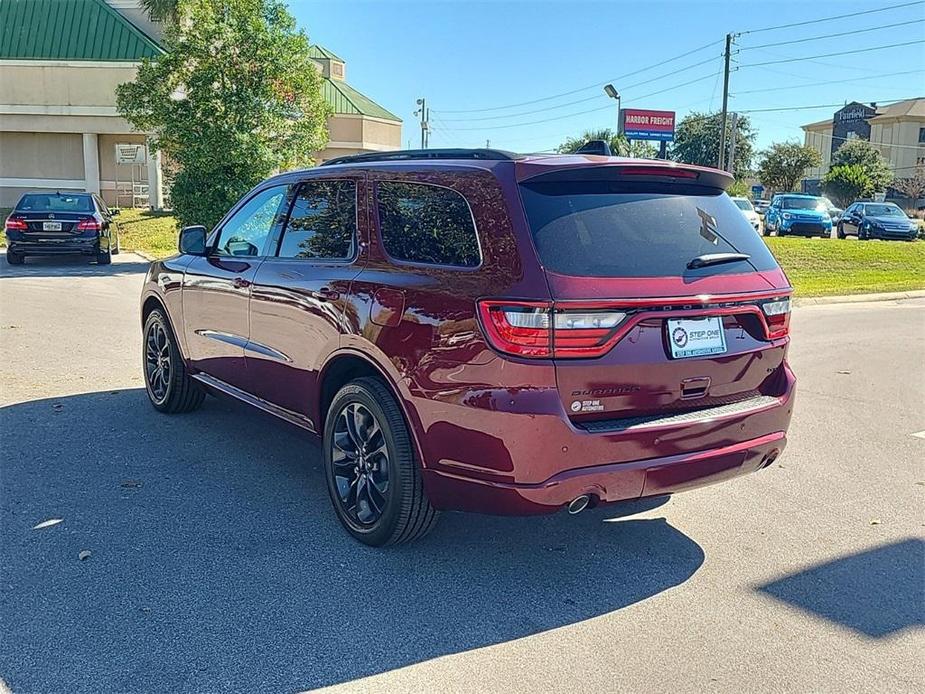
(61, 224)
(795, 214)
(761, 206)
(483, 331)
(835, 212)
(748, 211)
(877, 220)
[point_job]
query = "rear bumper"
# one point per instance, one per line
(523, 464)
(605, 483)
(72, 246)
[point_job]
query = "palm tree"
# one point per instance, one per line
(618, 144)
(162, 10)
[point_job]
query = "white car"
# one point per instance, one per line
(748, 211)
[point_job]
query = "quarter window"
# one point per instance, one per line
(323, 221)
(428, 224)
(247, 230)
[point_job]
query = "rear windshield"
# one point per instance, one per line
(803, 204)
(54, 203)
(608, 229)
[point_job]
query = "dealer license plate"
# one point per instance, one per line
(696, 337)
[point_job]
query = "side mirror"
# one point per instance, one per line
(113, 211)
(193, 240)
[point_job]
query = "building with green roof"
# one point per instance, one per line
(60, 64)
(358, 124)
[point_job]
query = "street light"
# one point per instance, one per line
(610, 91)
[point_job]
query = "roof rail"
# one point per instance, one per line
(412, 154)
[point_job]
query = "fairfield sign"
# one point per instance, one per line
(642, 124)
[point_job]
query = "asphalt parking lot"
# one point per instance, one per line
(216, 563)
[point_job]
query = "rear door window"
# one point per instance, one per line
(611, 229)
(323, 222)
(427, 224)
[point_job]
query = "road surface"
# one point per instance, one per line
(216, 563)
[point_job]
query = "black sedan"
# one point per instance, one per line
(61, 224)
(876, 220)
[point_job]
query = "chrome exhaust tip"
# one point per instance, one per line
(579, 504)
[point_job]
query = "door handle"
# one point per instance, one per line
(240, 283)
(327, 294)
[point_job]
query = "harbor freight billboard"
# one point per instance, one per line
(642, 124)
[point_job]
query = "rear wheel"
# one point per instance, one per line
(169, 385)
(118, 248)
(104, 257)
(15, 258)
(373, 477)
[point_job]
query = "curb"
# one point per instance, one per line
(858, 298)
(149, 258)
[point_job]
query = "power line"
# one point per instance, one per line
(809, 108)
(829, 36)
(582, 89)
(828, 19)
(829, 55)
(827, 82)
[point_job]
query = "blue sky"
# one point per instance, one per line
(491, 58)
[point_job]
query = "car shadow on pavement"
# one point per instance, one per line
(877, 592)
(74, 266)
(216, 562)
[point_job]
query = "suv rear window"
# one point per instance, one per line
(612, 229)
(428, 224)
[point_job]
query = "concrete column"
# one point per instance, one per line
(91, 163)
(155, 180)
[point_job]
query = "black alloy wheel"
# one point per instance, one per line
(169, 386)
(371, 469)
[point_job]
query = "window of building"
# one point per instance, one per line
(323, 222)
(921, 134)
(429, 224)
(245, 233)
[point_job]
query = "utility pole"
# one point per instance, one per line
(731, 164)
(722, 132)
(424, 113)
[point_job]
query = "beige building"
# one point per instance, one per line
(897, 130)
(59, 128)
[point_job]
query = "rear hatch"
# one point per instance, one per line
(664, 299)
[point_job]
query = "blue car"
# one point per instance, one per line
(799, 215)
(877, 220)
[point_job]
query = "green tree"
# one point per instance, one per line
(862, 153)
(696, 141)
(618, 144)
(847, 183)
(782, 165)
(234, 97)
(739, 189)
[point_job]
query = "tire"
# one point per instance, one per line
(378, 495)
(862, 235)
(104, 257)
(15, 258)
(174, 391)
(840, 231)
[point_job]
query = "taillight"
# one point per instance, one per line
(777, 313)
(16, 224)
(88, 224)
(535, 329)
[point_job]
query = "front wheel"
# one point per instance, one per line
(840, 231)
(169, 385)
(373, 477)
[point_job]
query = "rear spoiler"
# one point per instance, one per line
(639, 170)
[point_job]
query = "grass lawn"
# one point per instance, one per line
(153, 233)
(830, 266)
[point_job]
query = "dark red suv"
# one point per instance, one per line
(484, 331)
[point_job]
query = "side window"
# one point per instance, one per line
(247, 230)
(422, 223)
(101, 205)
(323, 221)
